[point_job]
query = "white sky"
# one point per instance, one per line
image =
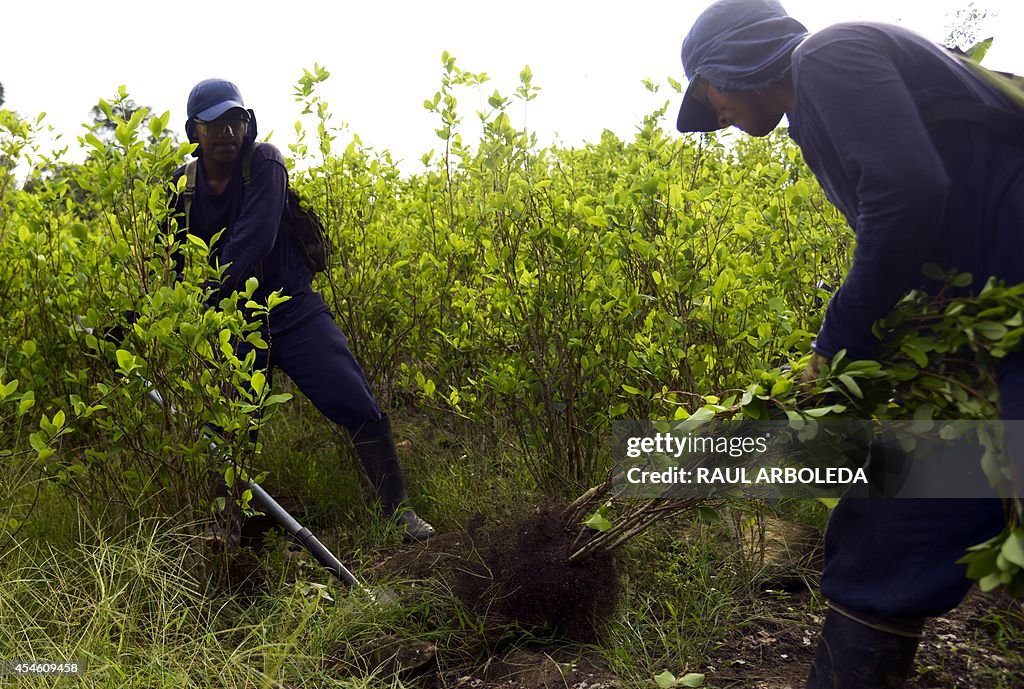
(588, 57)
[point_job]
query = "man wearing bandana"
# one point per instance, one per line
(915, 189)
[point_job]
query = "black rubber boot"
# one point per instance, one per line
(376, 449)
(864, 652)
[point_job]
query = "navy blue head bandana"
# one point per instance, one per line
(736, 45)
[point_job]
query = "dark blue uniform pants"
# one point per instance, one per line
(896, 557)
(315, 355)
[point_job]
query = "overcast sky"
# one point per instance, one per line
(588, 57)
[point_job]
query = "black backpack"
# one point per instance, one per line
(299, 221)
(1009, 123)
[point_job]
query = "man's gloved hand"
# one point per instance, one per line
(813, 370)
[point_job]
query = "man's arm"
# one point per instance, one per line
(255, 230)
(850, 92)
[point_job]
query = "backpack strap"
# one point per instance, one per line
(1009, 122)
(246, 177)
(247, 162)
(1005, 122)
(190, 187)
(1010, 86)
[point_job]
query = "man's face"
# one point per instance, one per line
(748, 111)
(222, 138)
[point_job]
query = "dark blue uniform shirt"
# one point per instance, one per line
(914, 192)
(252, 243)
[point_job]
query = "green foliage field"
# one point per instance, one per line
(519, 295)
(537, 293)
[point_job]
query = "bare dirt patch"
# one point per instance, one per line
(551, 668)
(964, 649)
(517, 572)
(517, 568)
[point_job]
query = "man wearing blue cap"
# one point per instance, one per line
(304, 340)
(916, 188)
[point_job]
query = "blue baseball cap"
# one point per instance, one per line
(211, 98)
(736, 45)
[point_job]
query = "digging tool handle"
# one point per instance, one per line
(266, 504)
(324, 557)
(269, 506)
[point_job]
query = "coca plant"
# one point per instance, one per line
(538, 293)
(99, 320)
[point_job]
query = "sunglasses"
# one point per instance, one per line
(219, 128)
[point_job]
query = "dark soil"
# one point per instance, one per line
(961, 650)
(517, 573)
(517, 569)
(967, 647)
(551, 668)
(514, 574)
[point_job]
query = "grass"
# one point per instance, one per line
(125, 604)
(127, 601)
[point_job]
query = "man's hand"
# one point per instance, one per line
(813, 370)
